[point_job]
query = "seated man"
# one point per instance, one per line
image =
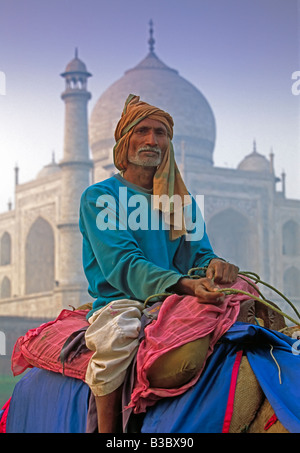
(137, 242)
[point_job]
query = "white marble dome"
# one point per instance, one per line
(159, 85)
(255, 162)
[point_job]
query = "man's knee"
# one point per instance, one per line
(178, 366)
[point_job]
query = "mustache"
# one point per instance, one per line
(155, 149)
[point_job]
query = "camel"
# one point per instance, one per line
(252, 412)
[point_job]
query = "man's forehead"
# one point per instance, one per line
(151, 123)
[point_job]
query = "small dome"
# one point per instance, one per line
(76, 66)
(255, 162)
(49, 170)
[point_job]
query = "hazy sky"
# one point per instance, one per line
(240, 54)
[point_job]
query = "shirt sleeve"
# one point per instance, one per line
(118, 255)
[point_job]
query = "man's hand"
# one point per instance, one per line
(203, 288)
(221, 272)
(206, 289)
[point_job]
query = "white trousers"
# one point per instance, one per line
(113, 336)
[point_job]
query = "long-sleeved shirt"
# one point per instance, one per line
(127, 251)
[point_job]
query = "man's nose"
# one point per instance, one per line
(151, 138)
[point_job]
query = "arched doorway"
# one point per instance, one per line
(5, 290)
(291, 282)
(5, 256)
(230, 237)
(39, 257)
(291, 238)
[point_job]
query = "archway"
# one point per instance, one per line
(39, 258)
(5, 257)
(291, 238)
(230, 237)
(291, 282)
(5, 291)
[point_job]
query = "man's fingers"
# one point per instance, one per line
(210, 273)
(224, 275)
(210, 296)
(208, 284)
(207, 291)
(222, 272)
(220, 269)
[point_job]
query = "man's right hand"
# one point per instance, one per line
(203, 288)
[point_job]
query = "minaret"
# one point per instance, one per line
(76, 168)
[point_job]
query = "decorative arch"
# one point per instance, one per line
(5, 246)
(291, 282)
(230, 236)
(291, 238)
(39, 257)
(5, 290)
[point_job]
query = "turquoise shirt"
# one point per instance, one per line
(127, 252)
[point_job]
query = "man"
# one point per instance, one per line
(130, 254)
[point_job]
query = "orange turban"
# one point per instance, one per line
(167, 179)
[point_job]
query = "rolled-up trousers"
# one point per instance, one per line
(113, 336)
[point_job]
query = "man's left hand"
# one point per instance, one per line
(221, 271)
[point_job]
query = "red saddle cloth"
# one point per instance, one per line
(42, 347)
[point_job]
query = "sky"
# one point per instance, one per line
(241, 54)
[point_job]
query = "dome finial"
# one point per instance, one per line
(254, 146)
(76, 52)
(151, 40)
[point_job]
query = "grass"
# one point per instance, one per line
(7, 384)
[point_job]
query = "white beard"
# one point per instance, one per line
(145, 160)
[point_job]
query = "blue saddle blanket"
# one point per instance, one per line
(48, 402)
(202, 408)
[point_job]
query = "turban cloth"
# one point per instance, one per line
(167, 178)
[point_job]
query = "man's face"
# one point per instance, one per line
(148, 143)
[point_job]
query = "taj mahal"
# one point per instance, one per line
(249, 219)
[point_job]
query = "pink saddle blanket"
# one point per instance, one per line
(182, 319)
(41, 347)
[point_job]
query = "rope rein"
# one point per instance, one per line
(277, 364)
(246, 275)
